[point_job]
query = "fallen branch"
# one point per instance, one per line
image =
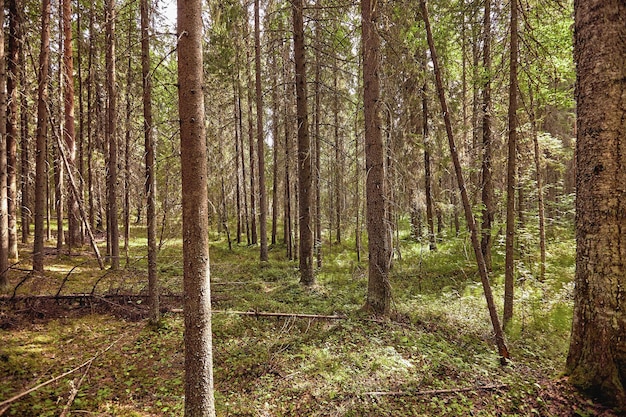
(268, 314)
(56, 378)
(79, 296)
(22, 281)
(73, 392)
(436, 391)
(68, 275)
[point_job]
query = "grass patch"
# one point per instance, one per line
(440, 338)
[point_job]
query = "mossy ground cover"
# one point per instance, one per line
(437, 343)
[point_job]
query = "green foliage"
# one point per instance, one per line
(439, 338)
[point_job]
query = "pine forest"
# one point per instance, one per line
(312, 208)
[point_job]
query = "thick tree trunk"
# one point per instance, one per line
(260, 136)
(148, 131)
(597, 357)
(305, 181)
(199, 397)
(111, 133)
(69, 133)
(378, 287)
(469, 216)
(487, 180)
(41, 179)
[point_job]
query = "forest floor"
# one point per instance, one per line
(434, 357)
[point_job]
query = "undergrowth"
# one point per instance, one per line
(438, 342)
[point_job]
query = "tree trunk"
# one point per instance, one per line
(41, 179)
(244, 182)
(26, 208)
(4, 210)
(81, 120)
(509, 270)
(487, 181)
(358, 170)
(339, 190)
(199, 397)
(275, 121)
(237, 159)
(127, 139)
(378, 287)
(111, 134)
(91, 110)
(253, 200)
(69, 133)
(318, 141)
(12, 127)
(58, 131)
(260, 136)
(428, 170)
(597, 357)
(305, 182)
(76, 191)
(469, 216)
(539, 179)
(287, 115)
(59, 185)
(476, 149)
(148, 131)
(224, 213)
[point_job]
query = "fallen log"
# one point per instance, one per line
(436, 391)
(81, 296)
(270, 314)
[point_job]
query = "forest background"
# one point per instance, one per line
(103, 65)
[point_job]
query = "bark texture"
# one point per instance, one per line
(199, 399)
(378, 287)
(597, 357)
(305, 179)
